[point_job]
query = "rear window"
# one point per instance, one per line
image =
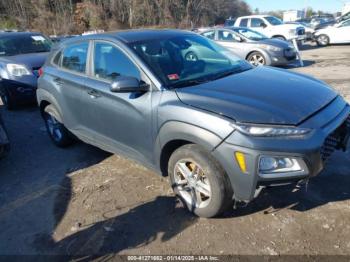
(75, 56)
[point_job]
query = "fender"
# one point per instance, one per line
(175, 130)
(43, 95)
(262, 51)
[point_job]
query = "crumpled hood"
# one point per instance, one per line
(262, 95)
(32, 60)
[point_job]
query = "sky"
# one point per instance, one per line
(271, 5)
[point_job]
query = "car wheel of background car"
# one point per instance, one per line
(191, 56)
(256, 59)
(199, 181)
(323, 40)
(57, 131)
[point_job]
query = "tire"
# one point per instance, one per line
(191, 56)
(323, 40)
(256, 59)
(7, 101)
(199, 181)
(58, 133)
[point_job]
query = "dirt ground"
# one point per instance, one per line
(83, 201)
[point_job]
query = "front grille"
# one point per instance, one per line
(289, 54)
(334, 140)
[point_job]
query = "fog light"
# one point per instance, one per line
(268, 164)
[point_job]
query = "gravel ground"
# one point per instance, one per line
(84, 201)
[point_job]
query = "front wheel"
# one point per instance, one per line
(199, 181)
(256, 59)
(323, 40)
(56, 130)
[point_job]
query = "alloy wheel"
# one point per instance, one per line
(54, 127)
(192, 183)
(257, 60)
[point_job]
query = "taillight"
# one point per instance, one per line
(40, 71)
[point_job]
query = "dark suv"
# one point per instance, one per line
(21, 56)
(221, 129)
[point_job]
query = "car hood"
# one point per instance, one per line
(274, 42)
(262, 95)
(33, 60)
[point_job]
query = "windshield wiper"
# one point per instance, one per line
(229, 72)
(193, 82)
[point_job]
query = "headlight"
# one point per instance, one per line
(259, 130)
(17, 70)
(270, 164)
(271, 48)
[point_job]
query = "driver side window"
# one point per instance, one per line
(110, 62)
(346, 24)
(256, 22)
(226, 36)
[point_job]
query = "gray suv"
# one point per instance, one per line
(220, 128)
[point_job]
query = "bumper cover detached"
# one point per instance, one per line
(312, 151)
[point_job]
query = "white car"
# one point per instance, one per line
(337, 34)
(272, 27)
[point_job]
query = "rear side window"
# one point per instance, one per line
(75, 56)
(244, 23)
(209, 34)
(110, 62)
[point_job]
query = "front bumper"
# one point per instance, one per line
(284, 57)
(310, 149)
(21, 91)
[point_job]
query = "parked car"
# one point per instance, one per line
(4, 141)
(254, 47)
(21, 56)
(309, 31)
(220, 128)
(272, 27)
(337, 34)
(319, 23)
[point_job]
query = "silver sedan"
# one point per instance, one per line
(253, 46)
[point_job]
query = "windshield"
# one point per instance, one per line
(273, 20)
(250, 34)
(11, 45)
(188, 60)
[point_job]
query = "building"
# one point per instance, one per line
(292, 15)
(346, 8)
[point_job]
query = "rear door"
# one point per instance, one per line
(69, 79)
(122, 122)
(228, 39)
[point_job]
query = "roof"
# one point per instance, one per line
(18, 33)
(131, 36)
(252, 16)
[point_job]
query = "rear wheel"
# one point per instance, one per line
(56, 130)
(256, 59)
(199, 181)
(323, 40)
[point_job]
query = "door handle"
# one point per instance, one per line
(94, 94)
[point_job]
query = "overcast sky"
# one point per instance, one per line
(324, 5)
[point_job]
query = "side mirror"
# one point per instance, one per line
(126, 84)
(263, 25)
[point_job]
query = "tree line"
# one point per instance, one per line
(76, 16)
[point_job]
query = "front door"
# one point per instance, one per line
(121, 121)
